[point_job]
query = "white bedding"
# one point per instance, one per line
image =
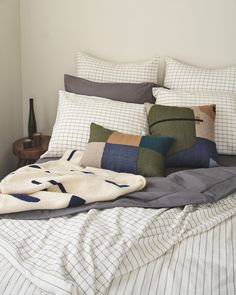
(201, 264)
(122, 251)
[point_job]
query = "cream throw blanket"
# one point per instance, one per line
(61, 184)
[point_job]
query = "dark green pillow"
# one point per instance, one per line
(193, 130)
(112, 150)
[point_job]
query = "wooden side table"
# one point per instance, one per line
(31, 155)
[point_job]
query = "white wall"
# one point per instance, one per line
(10, 83)
(201, 32)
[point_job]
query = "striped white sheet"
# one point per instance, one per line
(98, 70)
(122, 251)
(13, 282)
(225, 123)
(204, 264)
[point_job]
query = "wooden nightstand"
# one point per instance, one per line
(31, 155)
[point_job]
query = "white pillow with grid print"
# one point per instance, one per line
(225, 123)
(182, 76)
(76, 113)
(98, 70)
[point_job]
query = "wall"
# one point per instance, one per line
(201, 32)
(10, 83)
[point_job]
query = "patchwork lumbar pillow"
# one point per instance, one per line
(225, 122)
(188, 77)
(112, 150)
(98, 70)
(76, 113)
(193, 130)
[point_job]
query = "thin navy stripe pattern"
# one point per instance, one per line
(123, 251)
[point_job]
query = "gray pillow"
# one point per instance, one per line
(227, 160)
(223, 160)
(127, 92)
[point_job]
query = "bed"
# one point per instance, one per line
(124, 255)
(175, 236)
(122, 250)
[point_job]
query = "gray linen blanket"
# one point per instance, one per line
(176, 190)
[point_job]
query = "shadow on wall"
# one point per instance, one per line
(8, 162)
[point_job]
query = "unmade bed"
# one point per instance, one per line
(122, 251)
(125, 249)
(132, 196)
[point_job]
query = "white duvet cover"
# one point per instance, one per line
(122, 251)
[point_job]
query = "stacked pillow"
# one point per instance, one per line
(97, 70)
(113, 98)
(127, 92)
(190, 85)
(76, 113)
(188, 77)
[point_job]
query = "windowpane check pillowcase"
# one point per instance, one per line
(225, 122)
(193, 130)
(188, 77)
(112, 150)
(76, 113)
(98, 70)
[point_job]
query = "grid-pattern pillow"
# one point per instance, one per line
(182, 76)
(98, 70)
(225, 125)
(77, 112)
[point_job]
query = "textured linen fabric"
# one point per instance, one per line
(85, 253)
(225, 123)
(193, 131)
(203, 264)
(188, 77)
(76, 113)
(127, 92)
(98, 70)
(108, 149)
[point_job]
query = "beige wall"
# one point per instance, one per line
(195, 31)
(200, 32)
(10, 83)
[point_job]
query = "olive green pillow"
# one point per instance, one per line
(193, 130)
